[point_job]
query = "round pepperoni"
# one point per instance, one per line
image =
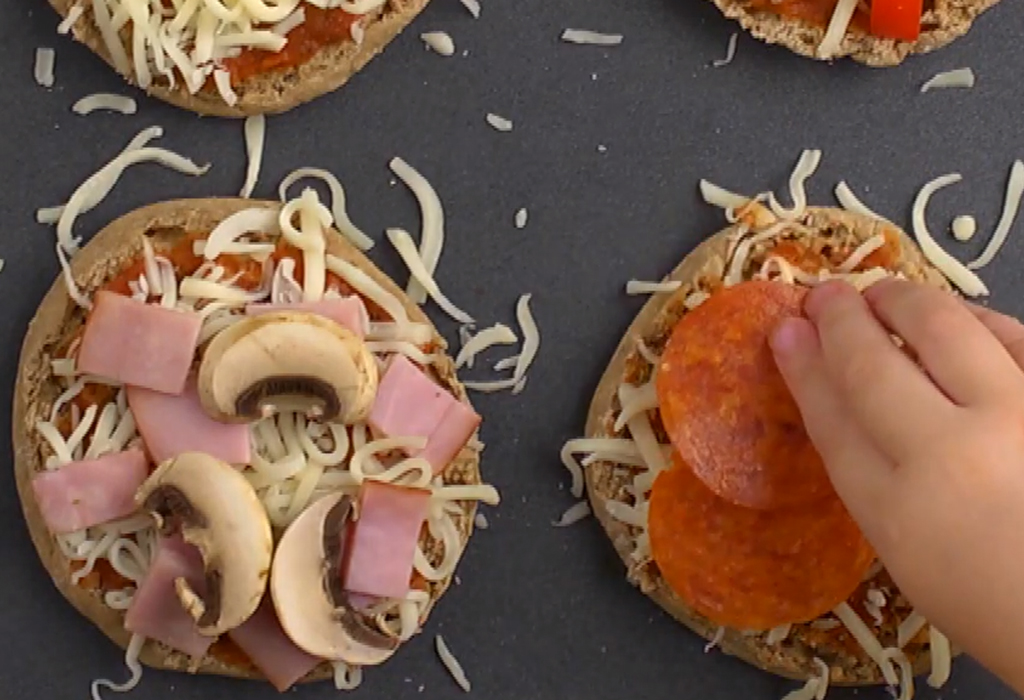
(752, 569)
(726, 407)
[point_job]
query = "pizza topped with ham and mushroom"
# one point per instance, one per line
(240, 448)
(874, 32)
(236, 58)
(697, 464)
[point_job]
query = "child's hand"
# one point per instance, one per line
(929, 462)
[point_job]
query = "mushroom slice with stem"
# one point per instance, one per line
(306, 588)
(217, 511)
(288, 361)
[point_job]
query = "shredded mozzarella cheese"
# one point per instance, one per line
(638, 287)
(432, 213)
(45, 60)
(957, 273)
(105, 101)
(498, 334)
(255, 136)
(730, 52)
(338, 208)
(585, 36)
(849, 201)
(439, 42)
(499, 123)
(804, 169)
(573, 514)
(867, 641)
(406, 249)
(957, 78)
(942, 657)
(1011, 203)
(838, 25)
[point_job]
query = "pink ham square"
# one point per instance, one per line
(90, 492)
(171, 424)
(382, 542)
(156, 612)
(348, 312)
(410, 404)
(266, 644)
(138, 344)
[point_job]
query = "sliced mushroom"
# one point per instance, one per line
(305, 585)
(214, 508)
(288, 361)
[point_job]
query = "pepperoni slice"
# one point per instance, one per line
(752, 569)
(726, 407)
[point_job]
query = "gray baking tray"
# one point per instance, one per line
(540, 612)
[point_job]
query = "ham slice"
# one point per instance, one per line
(138, 344)
(266, 644)
(156, 612)
(349, 312)
(410, 404)
(170, 425)
(90, 492)
(380, 546)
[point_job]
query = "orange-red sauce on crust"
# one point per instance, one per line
(322, 27)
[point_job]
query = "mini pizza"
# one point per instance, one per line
(240, 448)
(874, 32)
(235, 58)
(698, 467)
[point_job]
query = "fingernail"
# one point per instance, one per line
(790, 337)
(824, 294)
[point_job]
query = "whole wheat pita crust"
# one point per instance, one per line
(792, 659)
(279, 91)
(949, 20)
(58, 318)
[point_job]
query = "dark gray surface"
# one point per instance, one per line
(541, 613)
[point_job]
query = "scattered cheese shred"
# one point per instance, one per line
(805, 167)
(338, 207)
(499, 123)
(958, 78)
(942, 657)
(452, 664)
(131, 660)
(222, 81)
(347, 677)
(45, 60)
(910, 628)
(777, 634)
(573, 514)
(439, 42)
(730, 52)
(291, 22)
(69, 21)
(906, 679)
(520, 218)
(531, 337)
(837, 27)
(105, 101)
(720, 197)
(861, 253)
(498, 334)
(612, 449)
(635, 400)
(432, 213)
(473, 6)
(957, 273)
(1011, 203)
(406, 249)
(98, 186)
(867, 640)
(638, 287)
(849, 201)
(715, 640)
(963, 228)
(480, 521)
(255, 136)
(585, 36)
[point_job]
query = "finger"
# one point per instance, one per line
(896, 403)
(1007, 330)
(859, 471)
(962, 357)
